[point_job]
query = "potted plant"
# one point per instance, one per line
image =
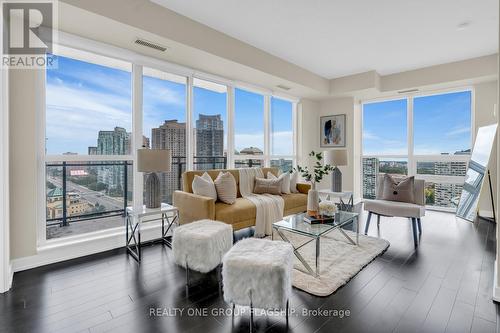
(314, 176)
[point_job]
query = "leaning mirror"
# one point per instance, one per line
(476, 172)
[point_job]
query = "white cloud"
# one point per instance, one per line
(77, 116)
(458, 131)
(155, 93)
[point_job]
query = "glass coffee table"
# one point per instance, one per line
(297, 225)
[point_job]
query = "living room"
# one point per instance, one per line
(173, 166)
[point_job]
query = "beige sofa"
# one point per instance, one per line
(241, 214)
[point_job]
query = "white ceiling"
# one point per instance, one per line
(335, 38)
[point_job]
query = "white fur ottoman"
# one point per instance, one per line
(201, 245)
(257, 272)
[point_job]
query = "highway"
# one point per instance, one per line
(93, 197)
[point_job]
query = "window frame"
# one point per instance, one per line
(412, 158)
(138, 61)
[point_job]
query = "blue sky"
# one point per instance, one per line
(442, 124)
(84, 98)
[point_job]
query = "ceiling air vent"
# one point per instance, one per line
(407, 91)
(149, 44)
(283, 87)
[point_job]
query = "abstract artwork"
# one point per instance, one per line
(332, 131)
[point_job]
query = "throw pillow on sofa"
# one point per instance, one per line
(204, 186)
(294, 178)
(285, 181)
(226, 187)
(402, 191)
(270, 186)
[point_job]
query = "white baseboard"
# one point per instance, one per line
(496, 288)
(8, 280)
(61, 252)
(10, 275)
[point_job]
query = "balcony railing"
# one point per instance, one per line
(79, 191)
(82, 191)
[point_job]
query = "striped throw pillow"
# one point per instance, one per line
(226, 187)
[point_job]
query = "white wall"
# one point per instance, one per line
(5, 268)
(311, 113)
(24, 87)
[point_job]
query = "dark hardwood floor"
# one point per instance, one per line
(444, 286)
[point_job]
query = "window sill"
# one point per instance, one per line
(78, 246)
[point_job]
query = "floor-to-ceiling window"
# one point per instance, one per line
(164, 123)
(249, 120)
(101, 108)
(87, 143)
(282, 137)
(428, 136)
(209, 125)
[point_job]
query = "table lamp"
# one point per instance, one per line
(335, 158)
(152, 161)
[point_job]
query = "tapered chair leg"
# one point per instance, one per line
(368, 222)
(378, 220)
(419, 224)
(414, 229)
(287, 309)
(251, 312)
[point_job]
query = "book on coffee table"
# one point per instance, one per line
(318, 220)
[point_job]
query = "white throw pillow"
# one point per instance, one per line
(226, 187)
(204, 186)
(285, 181)
(294, 177)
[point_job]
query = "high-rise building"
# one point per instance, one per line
(145, 142)
(171, 135)
(370, 175)
(209, 142)
(92, 151)
(116, 142)
(445, 194)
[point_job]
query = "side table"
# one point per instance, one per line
(169, 216)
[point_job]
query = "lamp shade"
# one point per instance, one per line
(335, 158)
(153, 160)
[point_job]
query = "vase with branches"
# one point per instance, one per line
(314, 176)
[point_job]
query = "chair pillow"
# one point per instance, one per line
(226, 187)
(285, 181)
(271, 186)
(204, 186)
(402, 191)
(294, 177)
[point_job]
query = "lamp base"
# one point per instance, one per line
(336, 180)
(152, 199)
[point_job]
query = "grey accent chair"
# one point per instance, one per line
(413, 211)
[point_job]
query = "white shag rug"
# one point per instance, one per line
(339, 260)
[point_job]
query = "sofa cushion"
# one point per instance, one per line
(394, 208)
(294, 178)
(188, 176)
(226, 187)
(294, 200)
(270, 186)
(242, 209)
(285, 177)
(204, 186)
